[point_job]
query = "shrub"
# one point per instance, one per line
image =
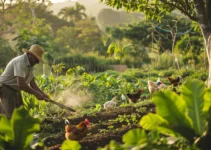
(186, 73)
(166, 73)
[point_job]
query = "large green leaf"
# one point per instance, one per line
(207, 100)
(193, 93)
(70, 145)
(5, 128)
(172, 108)
(134, 137)
(154, 122)
(111, 48)
(23, 127)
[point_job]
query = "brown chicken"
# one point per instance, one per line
(76, 132)
(133, 98)
(174, 82)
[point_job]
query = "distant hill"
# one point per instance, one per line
(105, 15)
(93, 7)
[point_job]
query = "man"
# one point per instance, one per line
(18, 76)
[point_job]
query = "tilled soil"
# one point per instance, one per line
(99, 133)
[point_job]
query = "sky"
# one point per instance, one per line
(58, 1)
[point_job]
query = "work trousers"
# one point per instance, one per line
(9, 100)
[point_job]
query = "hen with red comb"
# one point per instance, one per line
(76, 132)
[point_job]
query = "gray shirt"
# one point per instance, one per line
(17, 67)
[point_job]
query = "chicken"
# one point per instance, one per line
(174, 82)
(162, 86)
(76, 132)
(153, 86)
(110, 104)
(133, 98)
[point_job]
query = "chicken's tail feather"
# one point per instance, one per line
(66, 121)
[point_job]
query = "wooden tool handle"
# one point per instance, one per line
(61, 105)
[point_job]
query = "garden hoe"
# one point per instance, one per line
(60, 105)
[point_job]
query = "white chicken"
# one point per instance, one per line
(162, 86)
(110, 104)
(155, 86)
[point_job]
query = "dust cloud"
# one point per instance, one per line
(68, 98)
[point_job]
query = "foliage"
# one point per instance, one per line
(85, 36)
(33, 106)
(151, 9)
(166, 73)
(6, 52)
(73, 14)
(183, 120)
(118, 51)
(107, 84)
(152, 41)
(52, 84)
(43, 11)
(110, 17)
(180, 121)
(129, 119)
(70, 145)
(89, 63)
(191, 112)
(39, 33)
(58, 68)
(162, 61)
(190, 47)
(156, 9)
(17, 133)
(77, 71)
(186, 73)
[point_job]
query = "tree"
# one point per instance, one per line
(6, 52)
(191, 47)
(84, 37)
(43, 12)
(108, 17)
(67, 13)
(67, 39)
(73, 14)
(80, 12)
(90, 35)
(196, 10)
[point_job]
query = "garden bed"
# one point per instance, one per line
(105, 126)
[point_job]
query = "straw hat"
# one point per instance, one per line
(35, 50)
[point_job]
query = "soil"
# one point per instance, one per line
(99, 133)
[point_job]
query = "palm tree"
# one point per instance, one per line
(80, 12)
(73, 14)
(67, 13)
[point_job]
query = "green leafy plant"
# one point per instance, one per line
(129, 119)
(17, 133)
(70, 145)
(181, 121)
(98, 108)
(186, 116)
(118, 51)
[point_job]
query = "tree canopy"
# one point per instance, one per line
(196, 10)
